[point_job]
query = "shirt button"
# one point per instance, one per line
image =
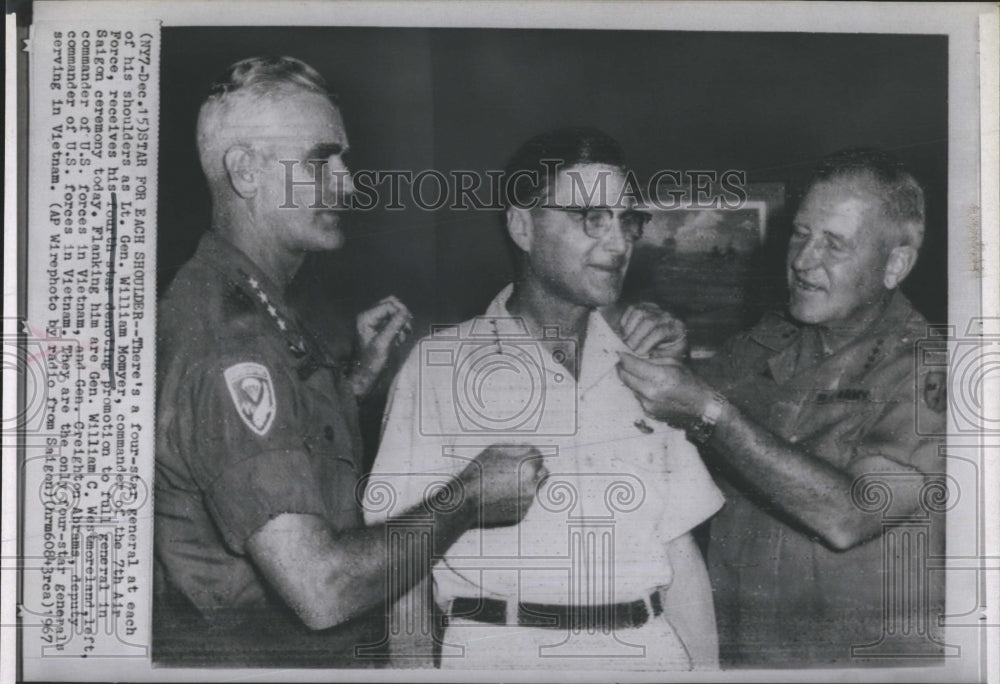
(643, 426)
(328, 433)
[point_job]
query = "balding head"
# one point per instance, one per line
(235, 110)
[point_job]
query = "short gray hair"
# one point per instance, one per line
(884, 175)
(250, 81)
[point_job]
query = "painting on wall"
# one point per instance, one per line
(702, 264)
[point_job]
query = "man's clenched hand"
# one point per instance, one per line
(379, 330)
(502, 482)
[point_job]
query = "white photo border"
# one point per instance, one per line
(972, 220)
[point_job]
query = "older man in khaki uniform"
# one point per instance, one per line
(811, 420)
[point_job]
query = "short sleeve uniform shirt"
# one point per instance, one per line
(782, 597)
(253, 421)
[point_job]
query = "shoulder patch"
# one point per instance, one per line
(252, 391)
(936, 391)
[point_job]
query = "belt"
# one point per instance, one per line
(554, 616)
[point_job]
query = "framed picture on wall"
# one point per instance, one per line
(701, 261)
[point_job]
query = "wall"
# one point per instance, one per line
(446, 99)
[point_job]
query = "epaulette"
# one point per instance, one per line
(236, 303)
(308, 357)
(774, 331)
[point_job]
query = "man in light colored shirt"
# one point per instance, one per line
(602, 573)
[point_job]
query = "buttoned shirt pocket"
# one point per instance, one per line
(338, 477)
(331, 438)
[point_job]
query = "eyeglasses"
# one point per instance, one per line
(596, 221)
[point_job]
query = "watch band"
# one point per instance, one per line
(704, 427)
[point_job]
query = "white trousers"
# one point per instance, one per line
(653, 647)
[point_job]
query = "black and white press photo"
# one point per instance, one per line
(558, 341)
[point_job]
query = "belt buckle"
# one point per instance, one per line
(656, 602)
(638, 613)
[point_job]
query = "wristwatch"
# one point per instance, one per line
(704, 427)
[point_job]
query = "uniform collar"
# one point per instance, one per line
(869, 347)
(600, 352)
(776, 331)
(239, 269)
(243, 274)
(598, 358)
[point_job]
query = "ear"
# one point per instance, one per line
(241, 170)
(520, 226)
(898, 266)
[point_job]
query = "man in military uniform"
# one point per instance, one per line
(261, 556)
(811, 420)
